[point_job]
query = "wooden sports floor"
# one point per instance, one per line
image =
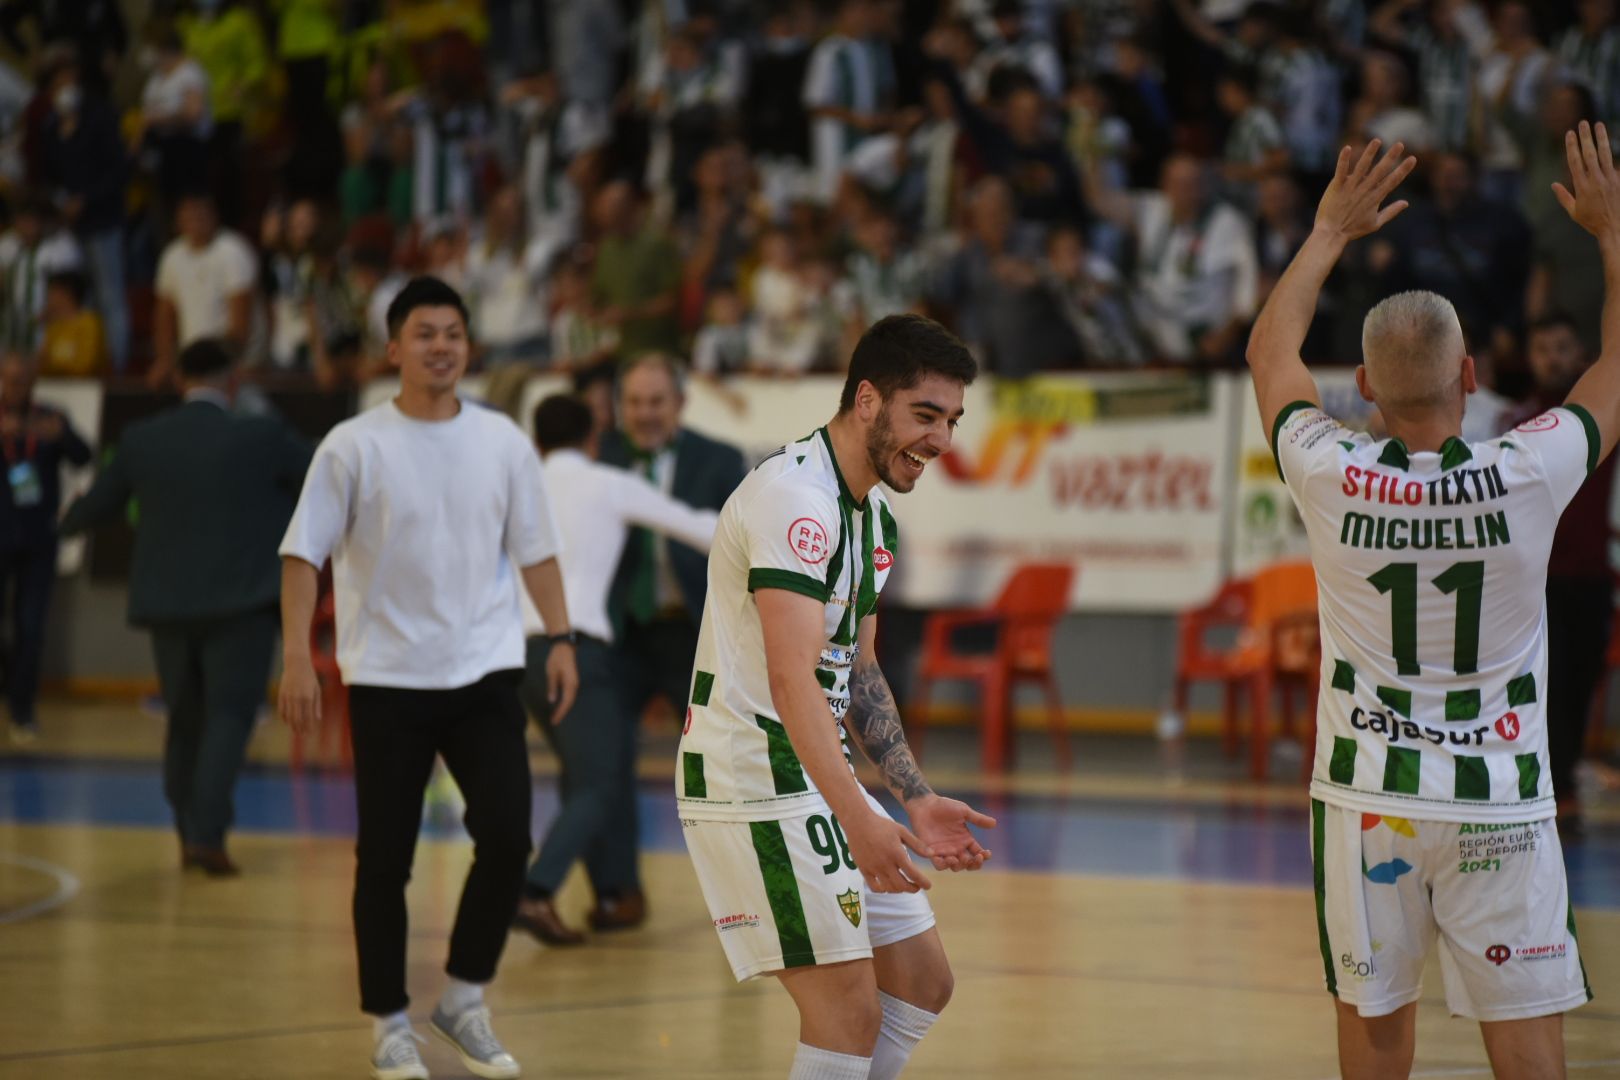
(1133, 927)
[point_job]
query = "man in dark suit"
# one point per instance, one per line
(35, 439)
(657, 597)
(215, 491)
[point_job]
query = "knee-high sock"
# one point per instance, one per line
(814, 1063)
(904, 1025)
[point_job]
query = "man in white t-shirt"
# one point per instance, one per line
(431, 508)
(1432, 802)
(205, 284)
(806, 876)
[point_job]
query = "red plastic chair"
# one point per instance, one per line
(1280, 649)
(332, 740)
(1196, 661)
(1026, 613)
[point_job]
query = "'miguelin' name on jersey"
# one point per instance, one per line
(791, 524)
(1431, 573)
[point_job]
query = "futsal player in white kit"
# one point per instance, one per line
(1432, 808)
(806, 877)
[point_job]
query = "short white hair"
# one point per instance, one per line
(1412, 347)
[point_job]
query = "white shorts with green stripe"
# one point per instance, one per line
(1495, 896)
(785, 893)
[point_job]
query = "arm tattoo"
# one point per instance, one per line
(873, 722)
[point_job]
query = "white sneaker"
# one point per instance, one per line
(396, 1056)
(472, 1038)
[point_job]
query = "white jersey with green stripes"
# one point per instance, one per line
(791, 524)
(1431, 572)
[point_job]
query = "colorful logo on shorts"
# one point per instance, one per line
(1498, 954)
(850, 904)
(1386, 873)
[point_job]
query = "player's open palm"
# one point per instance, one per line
(1352, 206)
(878, 846)
(1595, 202)
(942, 824)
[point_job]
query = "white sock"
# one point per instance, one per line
(903, 1027)
(382, 1025)
(814, 1063)
(460, 996)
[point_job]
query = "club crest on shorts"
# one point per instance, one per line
(850, 904)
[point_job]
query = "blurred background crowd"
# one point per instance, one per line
(1070, 184)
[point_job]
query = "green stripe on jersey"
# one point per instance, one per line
(1473, 778)
(1522, 691)
(866, 597)
(1395, 455)
(1342, 768)
(766, 578)
(1593, 441)
(1529, 775)
(1397, 699)
(1462, 704)
(702, 687)
(782, 891)
(694, 785)
(1453, 452)
(1276, 430)
(1344, 677)
(1402, 770)
(786, 773)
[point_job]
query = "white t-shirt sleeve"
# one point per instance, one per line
(790, 533)
(1565, 441)
(323, 506)
(1303, 436)
(642, 504)
(531, 529)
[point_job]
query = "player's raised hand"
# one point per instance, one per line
(1352, 206)
(942, 824)
(1595, 203)
(878, 846)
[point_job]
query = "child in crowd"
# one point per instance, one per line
(75, 346)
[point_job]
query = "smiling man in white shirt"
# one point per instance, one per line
(596, 742)
(431, 509)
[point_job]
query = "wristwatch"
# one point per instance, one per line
(570, 636)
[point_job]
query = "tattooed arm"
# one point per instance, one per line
(873, 724)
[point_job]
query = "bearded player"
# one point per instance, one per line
(805, 875)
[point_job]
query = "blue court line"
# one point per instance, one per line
(1233, 843)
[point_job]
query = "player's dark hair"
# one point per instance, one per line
(204, 359)
(561, 422)
(423, 292)
(899, 351)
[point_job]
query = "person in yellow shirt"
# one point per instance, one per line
(75, 346)
(226, 39)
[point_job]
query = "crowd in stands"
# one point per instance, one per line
(1070, 184)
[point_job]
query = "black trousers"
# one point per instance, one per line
(26, 577)
(596, 745)
(214, 674)
(479, 731)
(1578, 620)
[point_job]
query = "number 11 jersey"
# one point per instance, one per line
(1431, 572)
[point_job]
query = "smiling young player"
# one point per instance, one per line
(806, 877)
